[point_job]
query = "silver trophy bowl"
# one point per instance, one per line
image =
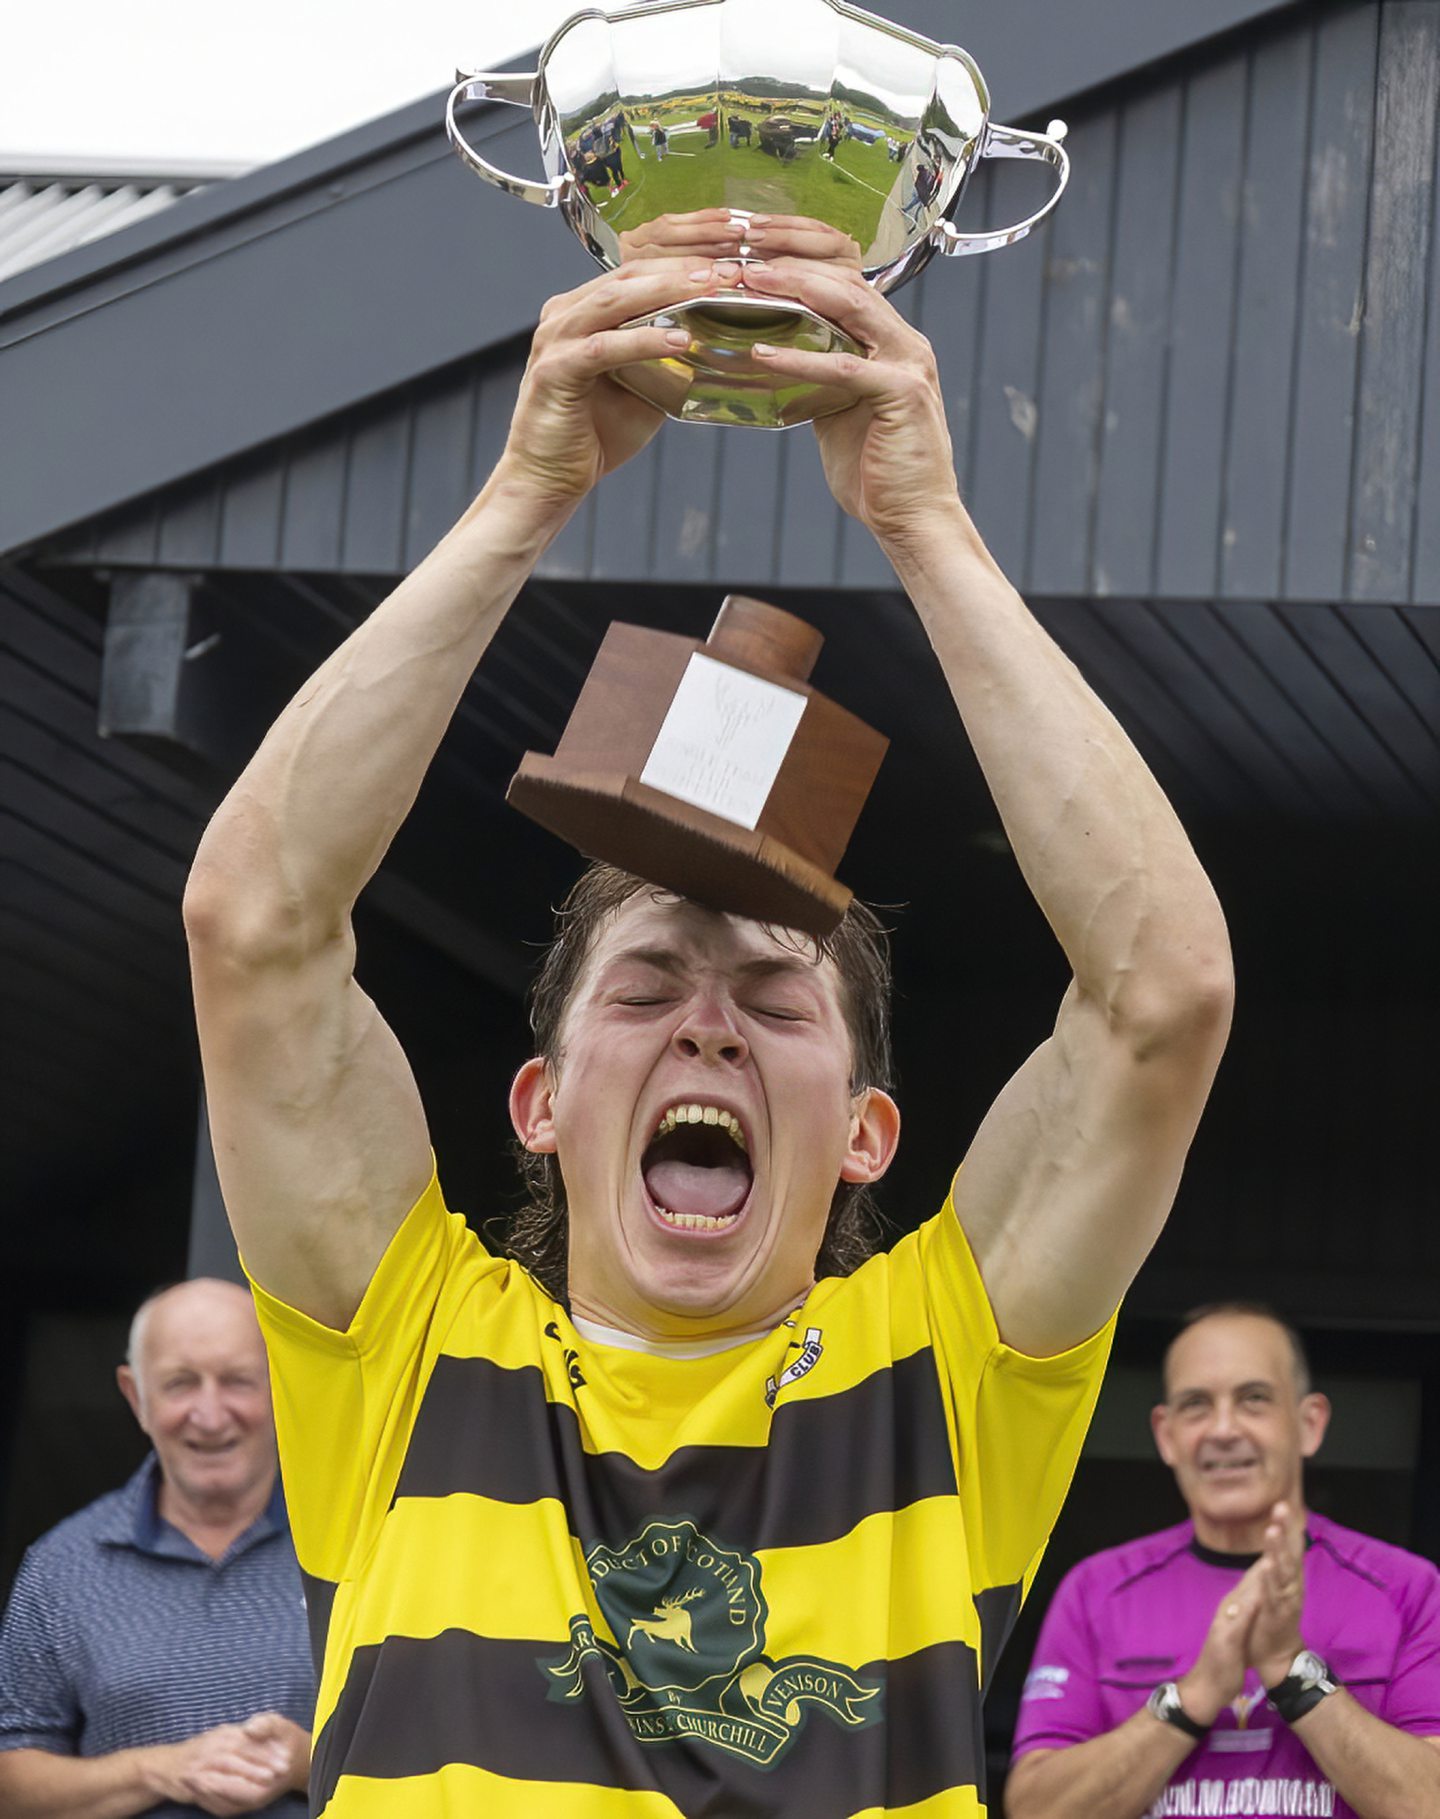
(808, 108)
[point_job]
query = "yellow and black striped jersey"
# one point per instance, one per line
(562, 1579)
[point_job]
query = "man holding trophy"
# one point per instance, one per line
(704, 1512)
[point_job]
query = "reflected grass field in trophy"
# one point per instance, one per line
(774, 163)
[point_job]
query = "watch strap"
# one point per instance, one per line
(1164, 1704)
(1308, 1682)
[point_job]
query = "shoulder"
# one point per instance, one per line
(79, 1537)
(1115, 1572)
(1405, 1579)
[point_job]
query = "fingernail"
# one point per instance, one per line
(699, 276)
(756, 265)
(677, 337)
(763, 347)
(759, 221)
(756, 233)
(726, 268)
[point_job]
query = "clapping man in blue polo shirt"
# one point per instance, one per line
(154, 1656)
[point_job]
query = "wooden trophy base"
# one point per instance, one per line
(771, 776)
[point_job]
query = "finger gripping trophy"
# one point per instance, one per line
(718, 771)
(769, 108)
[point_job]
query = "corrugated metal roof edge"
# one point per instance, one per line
(32, 168)
(206, 209)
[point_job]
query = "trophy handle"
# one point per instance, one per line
(1008, 142)
(479, 85)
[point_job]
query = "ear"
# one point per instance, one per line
(874, 1134)
(1160, 1429)
(531, 1107)
(1314, 1419)
(130, 1390)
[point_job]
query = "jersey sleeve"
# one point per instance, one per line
(1412, 1699)
(38, 1706)
(346, 1403)
(1060, 1701)
(1017, 1422)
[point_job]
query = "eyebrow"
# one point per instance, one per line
(1242, 1389)
(671, 960)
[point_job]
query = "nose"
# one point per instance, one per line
(207, 1409)
(1223, 1425)
(708, 1032)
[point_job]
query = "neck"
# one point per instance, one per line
(1245, 1535)
(655, 1323)
(213, 1523)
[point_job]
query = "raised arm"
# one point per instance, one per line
(320, 1138)
(1072, 1173)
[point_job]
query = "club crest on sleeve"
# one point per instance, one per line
(809, 1349)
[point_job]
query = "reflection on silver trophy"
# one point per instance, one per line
(793, 108)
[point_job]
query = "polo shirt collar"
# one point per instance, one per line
(135, 1521)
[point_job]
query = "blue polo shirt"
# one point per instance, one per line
(121, 1633)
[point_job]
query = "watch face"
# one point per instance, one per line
(1309, 1668)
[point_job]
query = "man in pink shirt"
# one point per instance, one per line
(1256, 1659)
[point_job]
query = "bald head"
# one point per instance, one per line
(197, 1382)
(206, 1300)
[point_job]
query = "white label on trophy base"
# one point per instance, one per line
(724, 740)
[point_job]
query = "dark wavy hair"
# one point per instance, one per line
(539, 1234)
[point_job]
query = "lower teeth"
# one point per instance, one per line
(694, 1221)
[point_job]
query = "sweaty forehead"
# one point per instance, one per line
(683, 936)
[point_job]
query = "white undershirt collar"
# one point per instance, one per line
(665, 1348)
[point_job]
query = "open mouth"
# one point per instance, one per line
(697, 1170)
(1224, 1468)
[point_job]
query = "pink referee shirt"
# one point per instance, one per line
(1127, 1619)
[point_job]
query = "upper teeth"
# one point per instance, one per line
(702, 1114)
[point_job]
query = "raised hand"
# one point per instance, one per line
(888, 459)
(1275, 1638)
(573, 424)
(1218, 1675)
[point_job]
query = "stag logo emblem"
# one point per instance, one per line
(680, 1635)
(668, 1622)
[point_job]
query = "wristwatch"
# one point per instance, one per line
(1307, 1683)
(1164, 1704)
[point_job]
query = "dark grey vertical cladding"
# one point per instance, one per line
(1332, 282)
(1178, 751)
(1140, 277)
(1192, 456)
(250, 513)
(807, 537)
(497, 388)
(1354, 698)
(1006, 416)
(190, 525)
(1396, 282)
(1303, 703)
(1257, 450)
(747, 511)
(1425, 567)
(439, 488)
(954, 328)
(315, 501)
(133, 537)
(371, 540)
(689, 479)
(1072, 365)
(624, 517)
(1240, 704)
